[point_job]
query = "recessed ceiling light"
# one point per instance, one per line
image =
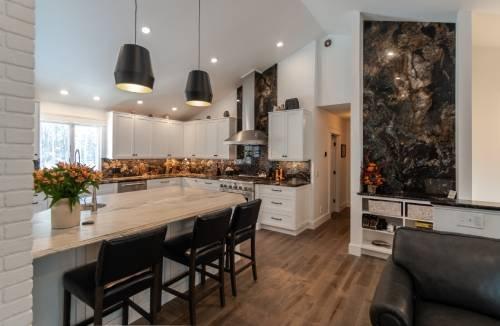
(145, 30)
(280, 44)
(214, 60)
(238, 101)
(63, 92)
(398, 78)
(174, 109)
(96, 98)
(390, 53)
(140, 102)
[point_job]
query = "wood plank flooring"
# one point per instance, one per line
(305, 280)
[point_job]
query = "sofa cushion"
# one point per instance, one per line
(459, 270)
(435, 314)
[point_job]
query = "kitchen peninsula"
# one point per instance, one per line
(56, 251)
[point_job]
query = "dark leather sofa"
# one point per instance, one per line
(439, 279)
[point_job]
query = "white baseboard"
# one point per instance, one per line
(282, 230)
(354, 249)
(344, 206)
(318, 221)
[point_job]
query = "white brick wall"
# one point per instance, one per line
(17, 32)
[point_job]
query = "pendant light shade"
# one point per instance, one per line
(198, 89)
(133, 72)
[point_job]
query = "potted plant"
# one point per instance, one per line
(372, 177)
(64, 184)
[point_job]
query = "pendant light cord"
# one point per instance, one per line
(199, 32)
(135, 23)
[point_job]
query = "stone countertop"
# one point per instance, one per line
(420, 197)
(128, 213)
(473, 204)
(263, 181)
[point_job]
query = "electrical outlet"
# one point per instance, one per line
(470, 221)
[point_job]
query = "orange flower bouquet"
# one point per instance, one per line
(64, 184)
(372, 177)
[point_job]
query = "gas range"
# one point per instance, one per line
(238, 186)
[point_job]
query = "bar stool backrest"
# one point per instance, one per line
(209, 232)
(245, 217)
(126, 256)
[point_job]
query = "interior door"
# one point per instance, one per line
(142, 136)
(277, 136)
(123, 134)
(333, 175)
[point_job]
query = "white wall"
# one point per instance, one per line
(216, 110)
(298, 77)
(52, 111)
(485, 124)
(16, 154)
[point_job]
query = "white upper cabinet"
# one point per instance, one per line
(175, 139)
(190, 139)
(289, 132)
(135, 136)
(225, 129)
(143, 136)
(120, 135)
(161, 138)
(334, 71)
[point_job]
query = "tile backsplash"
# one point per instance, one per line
(254, 162)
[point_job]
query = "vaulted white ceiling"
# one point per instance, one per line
(77, 43)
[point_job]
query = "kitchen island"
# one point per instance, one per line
(56, 251)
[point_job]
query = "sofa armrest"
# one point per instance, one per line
(393, 302)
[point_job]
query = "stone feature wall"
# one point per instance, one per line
(409, 105)
(266, 96)
(17, 34)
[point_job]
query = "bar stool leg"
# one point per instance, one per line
(221, 280)
(192, 296)
(125, 313)
(66, 308)
(254, 261)
(98, 307)
(232, 267)
(203, 275)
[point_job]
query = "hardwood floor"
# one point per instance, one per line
(305, 280)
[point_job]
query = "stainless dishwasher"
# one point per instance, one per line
(129, 186)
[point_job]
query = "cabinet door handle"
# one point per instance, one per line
(276, 219)
(215, 155)
(276, 190)
(208, 183)
(165, 181)
(276, 203)
(193, 155)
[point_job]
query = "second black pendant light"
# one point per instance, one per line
(133, 72)
(198, 89)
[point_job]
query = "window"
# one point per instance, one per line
(63, 142)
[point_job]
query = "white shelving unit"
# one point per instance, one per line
(387, 207)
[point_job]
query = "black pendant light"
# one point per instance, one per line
(198, 90)
(133, 72)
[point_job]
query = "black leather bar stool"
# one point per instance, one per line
(124, 267)
(201, 247)
(242, 228)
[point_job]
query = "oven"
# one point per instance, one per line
(245, 188)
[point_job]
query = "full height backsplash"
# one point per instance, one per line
(409, 105)
(255, 162)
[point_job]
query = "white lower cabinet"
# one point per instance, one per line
(284, 209)
(164, 183)
(206, 184)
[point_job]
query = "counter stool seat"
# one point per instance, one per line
(178, 249)
(81, 283)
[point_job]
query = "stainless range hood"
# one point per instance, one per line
(248, 136)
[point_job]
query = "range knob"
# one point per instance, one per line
(240, 187)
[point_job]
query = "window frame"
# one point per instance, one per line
(72, 124)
